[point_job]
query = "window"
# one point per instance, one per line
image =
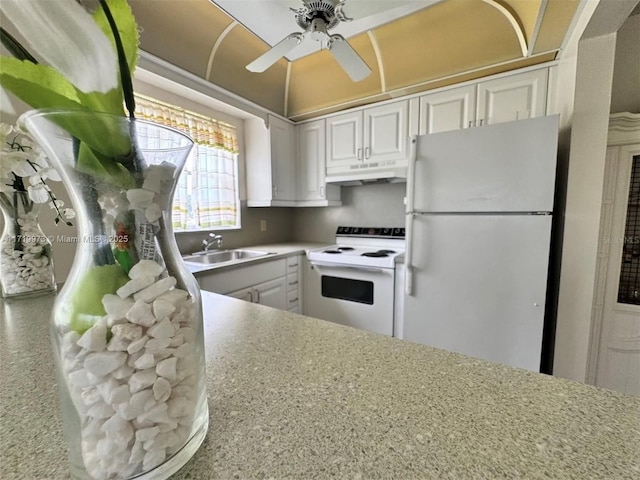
(629, 285)
(206, 197)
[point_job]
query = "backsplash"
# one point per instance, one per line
(376, 205)
(279, 230)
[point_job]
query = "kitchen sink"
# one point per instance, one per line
(222, 256)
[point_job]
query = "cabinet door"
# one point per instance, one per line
(386, 132)
(514, 97)
(245, 294)
(282, 159)
(453, 109)
(344, 139)
(272, 293)
(311, 161)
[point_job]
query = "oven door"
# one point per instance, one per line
(360, 297)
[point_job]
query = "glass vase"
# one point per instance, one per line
(26, 264)
(127, 327)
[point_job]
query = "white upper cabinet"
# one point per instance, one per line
(312, 189)
(344, 139)
(514, 97)
(503, 99)
(283, 159)
(452, 109)
(366, 137)
(386, 132)
(270, 160)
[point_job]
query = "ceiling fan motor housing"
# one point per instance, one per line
(324, 10)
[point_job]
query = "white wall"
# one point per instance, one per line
(376, 205)
(583, 201)
(625, 96)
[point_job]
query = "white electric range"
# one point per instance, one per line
(353, 282)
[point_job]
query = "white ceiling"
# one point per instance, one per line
(271, 20)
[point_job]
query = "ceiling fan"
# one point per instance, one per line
(317, 17)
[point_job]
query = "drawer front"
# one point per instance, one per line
(293, 299)
(234, 279)
(292, 282)
(292, 263)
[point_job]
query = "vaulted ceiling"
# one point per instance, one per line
(410, 46)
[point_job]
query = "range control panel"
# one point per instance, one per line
(373, 232)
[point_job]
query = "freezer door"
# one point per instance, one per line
(479, 285)
(508, 167)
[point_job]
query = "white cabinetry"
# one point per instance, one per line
(263, 282)
(503, 99)
(513, 97)
(294, 284)
(313, 190)
(276, 283)
(375, 137)
(270, 161)
(452, 109)
(271, 293)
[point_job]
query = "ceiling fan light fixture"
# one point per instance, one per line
(318, 29)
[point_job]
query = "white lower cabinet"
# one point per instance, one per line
(274, 284)
(271, 293)
(294, 284)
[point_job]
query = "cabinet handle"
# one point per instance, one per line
(293, 283)
(367, 152)
(470, 123)
(257, 296)
(322, 191)
(293, 300)
(481, 121)
(359, 154)
(251, 296)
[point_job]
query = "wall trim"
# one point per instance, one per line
(624, 128)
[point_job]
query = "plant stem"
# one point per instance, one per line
(17, 241)
(125, 74)
(102, 255)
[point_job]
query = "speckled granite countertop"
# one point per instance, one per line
(291, 397)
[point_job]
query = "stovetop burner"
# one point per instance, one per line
(379, 254)
(386, 251)
(339, 250)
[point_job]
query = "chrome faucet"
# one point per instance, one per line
(215, 239)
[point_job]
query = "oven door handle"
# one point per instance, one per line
(348, 267)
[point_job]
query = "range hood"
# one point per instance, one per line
(393, 175)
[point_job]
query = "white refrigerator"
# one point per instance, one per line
(478, 226)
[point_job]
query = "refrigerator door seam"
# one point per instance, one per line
(480, 213)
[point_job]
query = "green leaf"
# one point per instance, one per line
(37, 85)
(127, 27)
(41, 86)
(104, 168)
(110, 102)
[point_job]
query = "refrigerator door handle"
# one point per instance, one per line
(411, 172)
(408, 254)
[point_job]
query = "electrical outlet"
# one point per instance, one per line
(263, 225)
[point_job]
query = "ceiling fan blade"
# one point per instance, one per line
(348, 58)
(276, 52)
